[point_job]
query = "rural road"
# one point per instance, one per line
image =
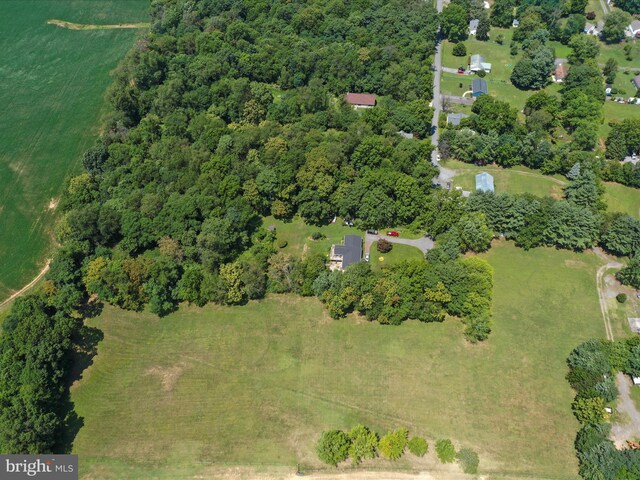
(424, 244)
(620, 432)
(437, 103)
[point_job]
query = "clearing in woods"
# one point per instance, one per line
(254, 386)
(52, 82)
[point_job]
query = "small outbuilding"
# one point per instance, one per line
(479, 87)
(361, 100)
(515, 23)
(454, 118)
(636, 380)
(484, 182)
(634, 29)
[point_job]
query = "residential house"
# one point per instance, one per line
(636, 82)
(560, 73)
(590, 29)
(633, 30)
(454, 118)
(484, 182)
(348, 253)
(473, 26)
(407, 135)
(477, 62)
(361, 100)
(479, 87)
(560, 61)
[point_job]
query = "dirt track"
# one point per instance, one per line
(29, 285)
(91, 26)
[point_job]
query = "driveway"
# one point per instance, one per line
(424, 244)
(454, 70)
(630, 430)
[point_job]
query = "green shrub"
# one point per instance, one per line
(446, 451)
(333, 447)
(621, 297)
(468, 460)
(282, 243)
(500, 39)
(317, 236)
(392, 445)
(384, 246)
(589, 410)
(481, 73)
(459, 50)
(364, 444)
(418, 446)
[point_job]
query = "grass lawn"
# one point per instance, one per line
(255, 385)
(514, 180)
(398, 254)
(624, 199)
(52, 82)
(617, 111)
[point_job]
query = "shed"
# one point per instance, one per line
(515, 23)
(454, 118)
(479, 87)
(484, 182)
(361, 100)
(473, 26)
(407, 135)
(636, 380)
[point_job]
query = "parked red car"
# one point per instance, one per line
(461, 70)
(393, 233)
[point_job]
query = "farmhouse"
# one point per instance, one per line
(473, 26)
(344, 255)
(361, 100)
(479, 87)
(636, 81)
(560, 73)
(484, 182)
(633, 30)
(454, 118)
(477, 63)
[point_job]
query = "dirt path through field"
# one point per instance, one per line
(29, 285)
(91, 26)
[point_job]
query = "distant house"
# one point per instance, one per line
(473, 26)
(590, 29)
(484, 182)
(560, 73)
(361, 100)
(636, 81)
(515, 23)
(403, 134)
(477, 62)
(348, 253)
(634, 29)
(479, 87)
(454, 118)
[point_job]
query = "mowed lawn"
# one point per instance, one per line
(624, 199)
(52, 82)
(255, 385)
(399, 253)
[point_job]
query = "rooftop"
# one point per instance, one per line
(454, 118)
(361, 99)
(351, 250)
(479, 85)
(484, 182)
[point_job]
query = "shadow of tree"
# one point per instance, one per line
(81, 358)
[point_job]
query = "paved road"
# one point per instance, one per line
(425, 244)
(437, 104)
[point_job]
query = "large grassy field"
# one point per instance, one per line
(525, 180)
(255, 385)
(52, 82)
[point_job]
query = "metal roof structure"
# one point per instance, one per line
(484, 182)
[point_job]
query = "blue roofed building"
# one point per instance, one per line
(479, 87)
(484, 182)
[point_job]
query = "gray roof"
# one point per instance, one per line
(454, 118)
(351, 250)
(600, 24)
(560, 61)
(473, 24)
(484, 182)
(403, 134)
(588, 26)
(635, 25)
(479, 85)
(476, 59)
(636, 81)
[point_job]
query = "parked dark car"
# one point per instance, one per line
(372, 232)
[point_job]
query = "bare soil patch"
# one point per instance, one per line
(168, 376)
(91, 26)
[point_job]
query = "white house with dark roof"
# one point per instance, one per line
(348, 253)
